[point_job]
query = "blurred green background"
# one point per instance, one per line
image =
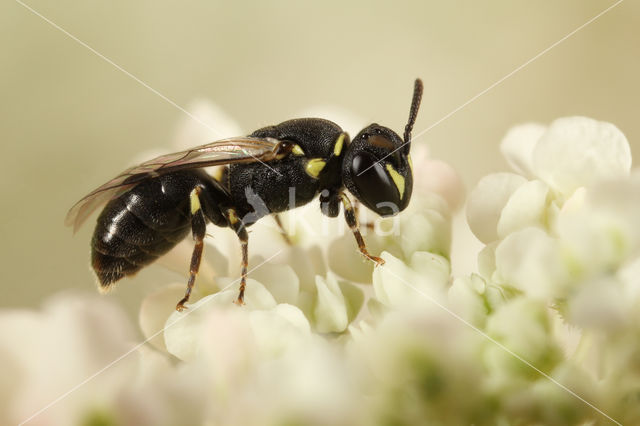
(70, 120)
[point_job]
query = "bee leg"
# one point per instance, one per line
(356, 209)
(198, 229)
(282, 230)
(240, 230)
(352, 221)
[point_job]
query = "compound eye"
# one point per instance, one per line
(375, 188)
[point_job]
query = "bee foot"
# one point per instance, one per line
(377, 260)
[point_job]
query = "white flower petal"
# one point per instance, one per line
(575, 203)
(486, 202)
(376, 310)
(432, 267)
(465, 300)
(154, 311)
(487, 260)
(600, 231)
(579, 151)
(185, 331)
(437, 177)
(307, 226)
(280, 280)
(353, 298)
(294, 316)
(390, 281)
(530, 260)
(429, 355)
(55, 349)
(346, 260)
(307, 263)
(280, 329)
(397, 285)
(213, 330)
(547, 402)
(12, 379)
(526, 207)
(330, 311)
(629, 275)
(256, 296)
(497, 296)
(518, 144)
(425, 227)
(522, 326)
(599, 304)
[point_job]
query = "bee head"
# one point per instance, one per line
(377, 165)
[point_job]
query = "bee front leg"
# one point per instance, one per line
(198, 229)
(356, 209)
(352, 221)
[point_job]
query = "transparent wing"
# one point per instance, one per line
(244, 149)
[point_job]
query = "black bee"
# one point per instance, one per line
(151, 207)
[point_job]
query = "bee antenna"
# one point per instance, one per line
(413, 112)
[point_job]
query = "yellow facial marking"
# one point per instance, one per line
(314, 167)
(233, 217)
(397, 179)
(337, 148)
(410, 163)
(195, 201)
(297, 150)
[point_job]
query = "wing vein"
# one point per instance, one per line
(244, 149)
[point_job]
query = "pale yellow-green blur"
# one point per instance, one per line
(70, 120)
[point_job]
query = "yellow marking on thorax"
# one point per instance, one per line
(337, 148)
(297, 150)
(314, 166)
(195, 200)
(398, 180)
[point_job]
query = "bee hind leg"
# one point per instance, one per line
(198, 229)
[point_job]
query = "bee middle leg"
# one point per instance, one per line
(198, 229)
(352, 221)
(283, 231)
(241, 231)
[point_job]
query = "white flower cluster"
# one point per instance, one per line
(559, 277)
(545, 333)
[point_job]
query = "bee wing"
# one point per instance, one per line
(244, 149)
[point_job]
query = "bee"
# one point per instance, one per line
(153, 206)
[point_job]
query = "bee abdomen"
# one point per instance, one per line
(110, 269)
(123, 244)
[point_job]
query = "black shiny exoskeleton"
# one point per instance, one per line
(153, 206)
